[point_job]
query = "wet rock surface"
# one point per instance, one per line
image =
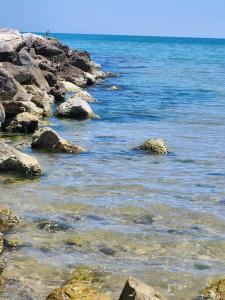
(136, 290)
(75, 108)
(8, 219)
(155, 146)
(12, 160)
(48, 139)
(215, 291)
(23, 122)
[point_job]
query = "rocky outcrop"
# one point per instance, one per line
(23, 122)
(35, 71)
(155, 146)
(75, 108)
(12, 160)
(134, 289)
(48, 139)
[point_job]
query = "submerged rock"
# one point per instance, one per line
(23, 122)
(77, 291)
(114, 88)
(85, 285)
(134, 289)
(12, 160)
(48, 139)
(51, 226)
(1, 247)
(216, 291)
(7, 219)
(155, 146)
(75, 108)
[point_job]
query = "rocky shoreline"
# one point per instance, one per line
(35, 73)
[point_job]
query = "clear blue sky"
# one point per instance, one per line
(200, 18)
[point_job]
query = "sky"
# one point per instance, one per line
(186, 18)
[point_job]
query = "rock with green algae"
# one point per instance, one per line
(78, 241)
(85, 285)
(155, 146)
(216, 291)
(7, 219)
(14, 243)
(1, 243)
(77, 291)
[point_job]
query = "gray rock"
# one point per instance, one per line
(13, 108)
(10, 40)
(23, 122)
(8, 87)
(75, 108)
(136, 290)
(2, 114)
(27, 74)
(12, 160)
(23, 58)
(155, 146)
(48, 139)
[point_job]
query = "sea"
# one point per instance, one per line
(121, 211)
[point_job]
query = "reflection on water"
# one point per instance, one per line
(158, 218)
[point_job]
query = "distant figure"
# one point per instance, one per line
(47, 33)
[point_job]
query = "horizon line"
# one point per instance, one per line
(131, 35)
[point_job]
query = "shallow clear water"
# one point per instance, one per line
(160, 219)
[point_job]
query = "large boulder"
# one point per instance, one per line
(135, 289)
(27, 74)
(10, 41)
(12, 160)
(48, 139)
(23, 122)
(12, 108)
(7, 219)
(71, 87)
(75, 108)
(2, 114)
(155, 146)
(8, 87)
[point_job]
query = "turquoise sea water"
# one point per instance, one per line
(160, 219)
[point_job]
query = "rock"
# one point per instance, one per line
(77, 291)
(86, 96)
(75, 108)
(51, 226)
(71, 87)
(42, 103)
(13, 108)
(77, 241)
(44, 47)
(7, 219)
(2, 114)
(12, 160)
(23, 122)
(14, 243)
(48, 139)
(136, 290)
(80, 62)
(156, 146)
(114, 88)
(23, 58)
(216, 291)
(85, 285)
(10, 41)
(27, 74)
(1, 247)
(74, 75)
(8, 87)
(2, 265)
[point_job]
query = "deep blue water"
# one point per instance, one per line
(173, 88)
